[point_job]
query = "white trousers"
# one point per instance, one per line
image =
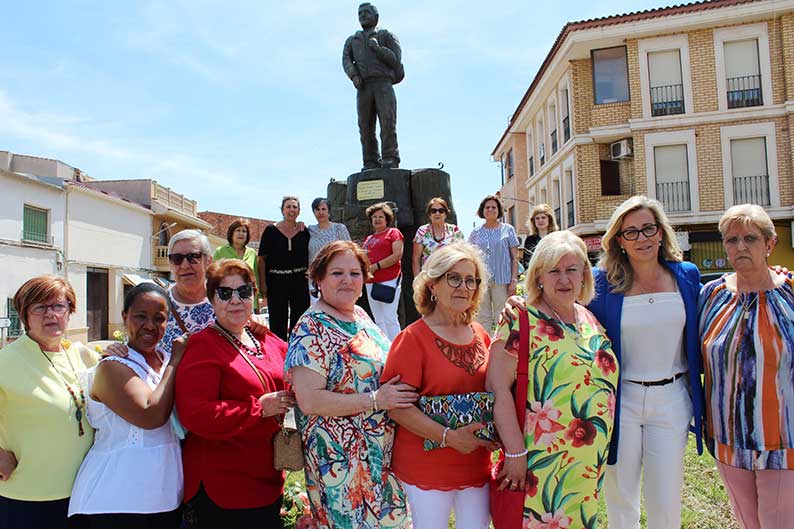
(385, 314)
(654, 423)
(430, 508)
(491, 306)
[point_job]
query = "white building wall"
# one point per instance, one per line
(21, 261)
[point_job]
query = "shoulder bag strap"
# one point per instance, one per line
(177, 317)
(243, 355)
(522, 379)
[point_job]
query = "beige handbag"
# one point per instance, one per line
(287, 444)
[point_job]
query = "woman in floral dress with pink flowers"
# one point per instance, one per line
(560, 457)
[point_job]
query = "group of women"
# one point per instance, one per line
(613, 386)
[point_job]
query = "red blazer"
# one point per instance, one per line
(229, 447)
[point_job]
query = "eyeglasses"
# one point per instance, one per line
(243, 292)
(178, 258)
(748, 240)
(59, 309)
(455, 280)
(632, 235)
(438, 210)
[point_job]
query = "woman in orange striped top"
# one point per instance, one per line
(747, 331)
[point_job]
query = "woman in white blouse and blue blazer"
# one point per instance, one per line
(646, 298)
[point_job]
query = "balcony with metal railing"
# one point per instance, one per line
(667, 100)
(674, 195)
(569, 207)
(554, 141)
(744, 91)
(566, 128)
(751, 190)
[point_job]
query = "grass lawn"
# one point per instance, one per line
(705, 503)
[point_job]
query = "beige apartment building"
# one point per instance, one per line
(692, 105)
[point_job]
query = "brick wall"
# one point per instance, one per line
(516, 187)
(703, 70)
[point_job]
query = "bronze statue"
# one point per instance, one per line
(373, 61)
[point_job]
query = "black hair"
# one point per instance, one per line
(320, 200)
(141, 289)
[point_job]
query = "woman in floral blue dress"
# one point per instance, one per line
(560, 457)
(335, 358)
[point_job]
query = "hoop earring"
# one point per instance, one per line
(433, 297)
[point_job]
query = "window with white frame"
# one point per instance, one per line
(610, 75)
(530, 153)
(553, 126)
(743, 67)
(749, 164)
(541, 143)
(671, 169)
(510, 166)
(565, 114)
(666, 83)
(750, 171)
(556, 200)
(569, 207)
(742, 74)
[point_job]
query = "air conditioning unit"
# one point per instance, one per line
(621, 149)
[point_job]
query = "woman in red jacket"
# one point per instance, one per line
(230, 393)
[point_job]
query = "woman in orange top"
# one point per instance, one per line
(445, 352)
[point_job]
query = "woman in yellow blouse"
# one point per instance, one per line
(238, 235)
(44, 433)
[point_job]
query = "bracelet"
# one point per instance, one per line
(378, 265)
(516, 455)
(444, 438)
(373, 398)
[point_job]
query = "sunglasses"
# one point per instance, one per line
(455, 280)
(438, 210)
(243, 292)
(178, 258)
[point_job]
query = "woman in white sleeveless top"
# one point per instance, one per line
(132, 476)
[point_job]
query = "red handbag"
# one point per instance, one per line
(507, 506)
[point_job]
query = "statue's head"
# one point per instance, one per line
(367, 15)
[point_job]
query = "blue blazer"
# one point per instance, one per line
(607, 306)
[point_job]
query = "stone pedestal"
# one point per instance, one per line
(408, 192)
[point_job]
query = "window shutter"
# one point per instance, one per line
(748, 157)
(741, 58)
(670, 163)
(664, 68)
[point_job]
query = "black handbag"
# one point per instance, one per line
(383, 292)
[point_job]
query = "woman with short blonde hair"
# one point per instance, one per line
(443, 353)
(571, 390)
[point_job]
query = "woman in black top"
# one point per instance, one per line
(283, 263)
(541, 222)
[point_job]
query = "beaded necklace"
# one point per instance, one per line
(79, 405)
(255, 351)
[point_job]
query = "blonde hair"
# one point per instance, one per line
(542, 209)
(616, 263)
(748, 214)
(548, 253)
(438, 264)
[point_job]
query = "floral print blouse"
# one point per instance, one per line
(572, 378)
(424, 236)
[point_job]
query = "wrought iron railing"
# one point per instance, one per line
(674, 196)
(566, 128)
(744, 91)
(569, 207)
(553, 141)
(751, 189)
(667, 100)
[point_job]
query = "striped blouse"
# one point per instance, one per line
(496, 244)
(748, 357)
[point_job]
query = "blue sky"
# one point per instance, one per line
(236, 104)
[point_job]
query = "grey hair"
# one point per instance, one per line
(191, 235)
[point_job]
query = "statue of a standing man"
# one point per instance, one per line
(373, 61)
